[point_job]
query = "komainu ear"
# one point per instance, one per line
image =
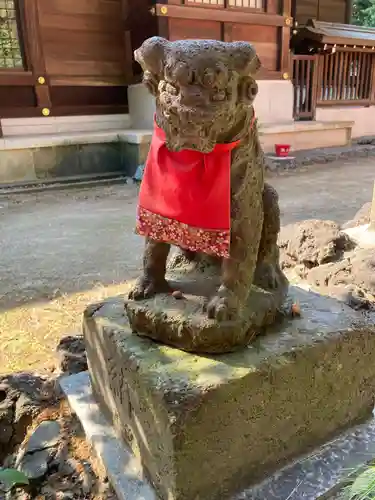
(151, 57)
(245, 59)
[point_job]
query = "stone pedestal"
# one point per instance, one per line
(207, 426)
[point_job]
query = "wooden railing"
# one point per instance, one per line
(346, 78)
(305, 86)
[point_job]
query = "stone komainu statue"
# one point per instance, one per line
(204, 93)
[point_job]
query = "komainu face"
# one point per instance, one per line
(203, 89)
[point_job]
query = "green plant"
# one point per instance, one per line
(364, 12)
(9, 478)
(363, 487)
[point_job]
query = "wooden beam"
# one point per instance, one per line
(349, 11)
(287, 8)
(359, 43)
(16, 78)
(343, 102)
(220, 15)
(285, 60)
(273, 7)
(316, 79)
(36, 55)
(356, 50)
(128, 63)
(20, 112)
(294, 9)
(372, 88)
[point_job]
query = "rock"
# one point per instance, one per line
(60, 458)
(321, 254)
(20, 402)
(69, 467)
(23, 383)
(46, 435)
(86, 478)
(361, 218)
(52, 493)
(65, 495)
(72, 355)
(17, 494)
(351, 279)
(6, 421)
(366, 140)
(35, 465)
(312, 243)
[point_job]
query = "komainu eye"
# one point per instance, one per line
(219, 95)
(208, 78)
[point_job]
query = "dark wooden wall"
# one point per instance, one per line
(78, 59)
(334, 11)
(83, 41)
(86, 56)
(141, 24)
(267, 27)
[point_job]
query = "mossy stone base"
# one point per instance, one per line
(207, 426)
(183, 323)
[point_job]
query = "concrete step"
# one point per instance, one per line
(316, 476)
(39, 156)
(306, 135)
(42, 157)
(58, 183)
(322, 473)
(104, 136)
(14, 127)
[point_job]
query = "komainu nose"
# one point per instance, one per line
(193, 96)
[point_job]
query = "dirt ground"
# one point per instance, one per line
(62, 250)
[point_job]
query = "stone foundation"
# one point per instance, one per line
(207, 426)
(361, 116)
(46, 163)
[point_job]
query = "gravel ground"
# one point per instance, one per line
(62, 249)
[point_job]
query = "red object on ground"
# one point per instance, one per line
(282, 149)
(184, 197)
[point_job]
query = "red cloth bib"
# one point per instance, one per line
(184, 197)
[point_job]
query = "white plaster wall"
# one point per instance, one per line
(141, 107)
(273, 104)
(363, 118)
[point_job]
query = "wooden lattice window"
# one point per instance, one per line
(207, 3)
(247, 4)
(346, 76)
(10, 44)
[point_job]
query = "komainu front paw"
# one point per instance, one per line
(221, 307)
(145, 288)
